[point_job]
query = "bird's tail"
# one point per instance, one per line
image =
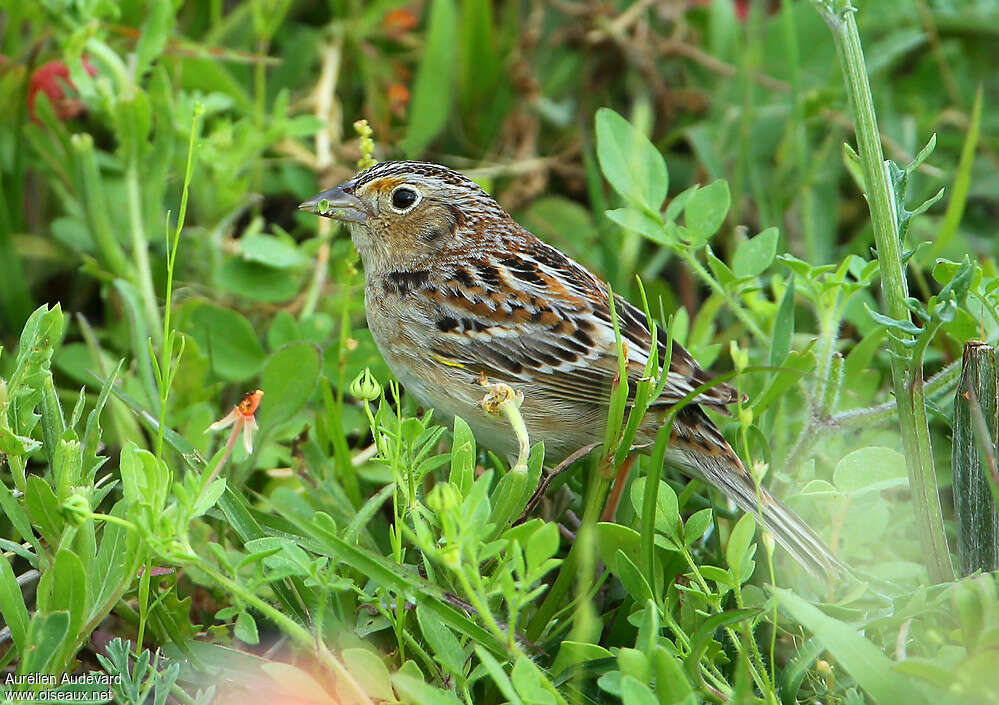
(698, 448)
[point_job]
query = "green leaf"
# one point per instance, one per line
(863, 660)
(707, 208)
(288, 380)
(15, 514)
(139, 336)
(509, 498)
(706, 631)
(208, 498)
(780, 343)
(642, 222)
(13, 444)
(572, 653)
(696, 525)
(432, 88)
(634, 692)
(64, 587)
(272, 251)
(92, 432)
(116, 563)
(499, 676)
(229, 341)
(12, 607)
(256, 281)
(370, 672)
(737, 553)
(154, 35)
(46, 635)
(871, 469)
(542, 544)
(667, 509)
(442, 641)
(632, 579)
(677, 204)
(414, 691)
(903, 326)
(245, 628)
(462, 457)
(797, 669)
(612, 538)
(39, 338)
(238, 516)
(529, 684)
(754, 255)
(725, 276)
(43, 508)
(672, 684)
(634, 663)
(629, 161)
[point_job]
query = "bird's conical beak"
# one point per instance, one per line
(337, 203)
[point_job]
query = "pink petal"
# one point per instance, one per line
(248, 427)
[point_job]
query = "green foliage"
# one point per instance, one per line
(154, 200)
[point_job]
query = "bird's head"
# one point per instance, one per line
(404, 214)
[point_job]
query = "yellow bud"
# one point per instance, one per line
(443, 498)
(740, 358)
(76, 509)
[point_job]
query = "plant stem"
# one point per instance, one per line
(167, 361)
(293, 629)
(140, 251)
(599, 483)
(739, 312)
(907, 376)
(871, 416)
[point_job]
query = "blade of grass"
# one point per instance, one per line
(962, 181)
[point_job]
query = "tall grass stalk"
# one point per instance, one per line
(167, 366)
(907, 373)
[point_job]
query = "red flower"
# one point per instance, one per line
(52, 78)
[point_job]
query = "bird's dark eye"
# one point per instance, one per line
(403, 198)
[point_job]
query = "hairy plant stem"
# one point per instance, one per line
(818, 427)
(907, 374)
(739, 312)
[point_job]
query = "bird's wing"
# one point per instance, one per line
(536, 316)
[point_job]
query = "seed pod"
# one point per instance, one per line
(973, 459)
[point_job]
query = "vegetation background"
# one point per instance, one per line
(154, 270)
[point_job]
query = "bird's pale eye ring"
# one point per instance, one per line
(405, 199)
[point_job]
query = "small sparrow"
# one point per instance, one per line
(456, 290)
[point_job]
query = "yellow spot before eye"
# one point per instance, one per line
(385, 184)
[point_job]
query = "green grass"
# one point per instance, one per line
(725, 172)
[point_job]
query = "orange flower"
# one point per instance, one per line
(398, 22)
(398, 98)
(242, 420)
